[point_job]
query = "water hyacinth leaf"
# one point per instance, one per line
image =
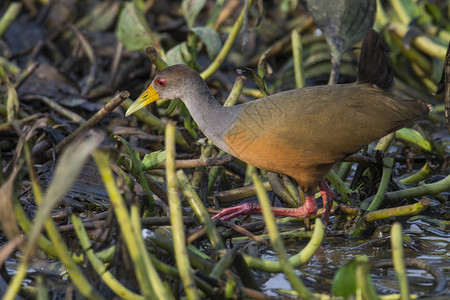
(153, 159)
(132, 28)
(344, 282)
(414, 137)
(178, 54)
(343, 22)
(191, 10)
(102, 16)
(210, 38)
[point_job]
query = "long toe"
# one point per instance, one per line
(243, 209)
(306, 210)
(327, 198)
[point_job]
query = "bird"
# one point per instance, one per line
(302, 132)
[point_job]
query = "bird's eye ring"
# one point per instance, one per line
(161, 82)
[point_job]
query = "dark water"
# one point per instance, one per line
(427, 239)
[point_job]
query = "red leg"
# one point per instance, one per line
(306, 210)
(327, 198)
(243, 209)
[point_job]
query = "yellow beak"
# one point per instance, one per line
(147, 97)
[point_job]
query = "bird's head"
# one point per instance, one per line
(171, 83)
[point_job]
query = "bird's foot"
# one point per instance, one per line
(327, 198)
(243, 209)
(306, 210)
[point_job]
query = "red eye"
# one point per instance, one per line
(161, 82)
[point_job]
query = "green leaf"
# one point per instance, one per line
(188, 122)
(101, 17)
(191, 10)
(132, 29)
(129, 181)
(178, 54)
(344, 282)
(343, 22)
(172, 106)
(211, 40)
(133, 155)
(414, 137)
(153, 159)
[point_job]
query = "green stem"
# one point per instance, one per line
(200, 211)
(335, 66)
(176, 218)
(363, 279)
(224, 263)
(418, 176)
(167, 244)
(421, 42)
(220, 58)
(381, 17)
(400, 11)
(296, 260)
(277, 242)
(384, 143)
(150, 119)
(413, 209)
(10, 15)
(297, 51)
(235, 91)
(339, 185)
(156, 59)
(388, 164)
(281, 190)
(148, 279)
(344, 169)
(426, 189)
(399, 260)
(98, 265)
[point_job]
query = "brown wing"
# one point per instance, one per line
(313, 127)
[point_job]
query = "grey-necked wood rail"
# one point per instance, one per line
(301, 132)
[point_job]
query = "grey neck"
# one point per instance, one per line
(212, 118)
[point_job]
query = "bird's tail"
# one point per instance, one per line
(374, 65)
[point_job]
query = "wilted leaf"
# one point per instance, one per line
(8, 222)
(414, 137)
(259, 81)
(12, 102)
(210, 38)
(50, 82)
(132, 29)
(343, 22)
(9, 247)
(191, 10)
(67, 169)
